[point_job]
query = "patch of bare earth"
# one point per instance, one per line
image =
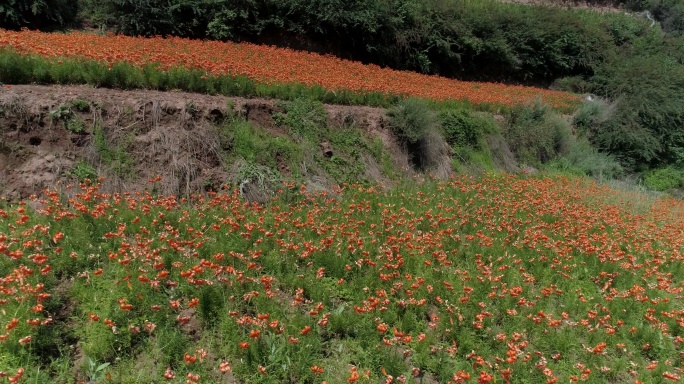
(167, 134)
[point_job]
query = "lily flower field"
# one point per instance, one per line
(270, 65)
(490, 279)
(498, 279)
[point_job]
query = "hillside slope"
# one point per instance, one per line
(54, 134)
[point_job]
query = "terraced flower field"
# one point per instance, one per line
(501, 279)
(272, 65)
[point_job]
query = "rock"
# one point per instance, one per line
(327, 149)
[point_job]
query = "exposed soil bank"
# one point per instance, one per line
(47, 131)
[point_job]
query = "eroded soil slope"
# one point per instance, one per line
(51, 135)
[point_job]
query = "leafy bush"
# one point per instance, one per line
(417, 125)
(664, 179)
(411, 119)
(112, 155)
(463, 128)
(592, 113)
(243, 141)
(535, 134)
(465, 132)
(306, 119)
(670, 13)
(37, 14)
(149, 17)
(83, 171)
(645, 130)
(583, 159)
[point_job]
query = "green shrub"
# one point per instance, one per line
(83, 171)
(305, 118)
(576, 84)
(242, 140)
(670, 13)
(75, 125)
(664, 179)
(112, 155)
(38, 14)
(411, 119)
(463, 128)
(645, 130)
(417, 125)
(535, 134)
(592, 113)
(583, 159)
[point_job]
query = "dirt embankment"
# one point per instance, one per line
(48, 137)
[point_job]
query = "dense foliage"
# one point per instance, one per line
(646, 127)
(44, 14)
(483, 40)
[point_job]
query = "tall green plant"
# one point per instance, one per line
(418, 126)
(305, 118)
(463, 128)
(411, 119)
(535, 134)
(647, 127)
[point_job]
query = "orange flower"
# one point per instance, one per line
(599, 348)
(224, 367)
(485, 378)
(354, 375)
(169, 374)
(254, 333)
(461, 376)
(150, 327)
(189, 359)
(12, 324)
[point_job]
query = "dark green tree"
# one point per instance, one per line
(37, 14)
